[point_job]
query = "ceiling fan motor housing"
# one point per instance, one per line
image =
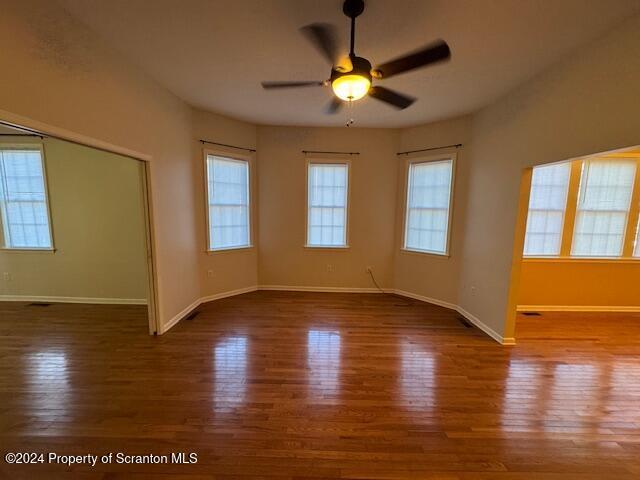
(361, 66)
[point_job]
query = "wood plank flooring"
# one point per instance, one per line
(284, 385)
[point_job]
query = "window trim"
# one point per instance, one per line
(570, 194)
(571, 211)
(452, 156)
(326, 161)
(625, 231)
(248, 159)
(45, 179)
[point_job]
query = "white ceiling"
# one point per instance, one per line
(214, 53)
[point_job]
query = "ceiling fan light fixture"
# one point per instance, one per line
(351, 87)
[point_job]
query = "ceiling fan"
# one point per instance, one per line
(351, 77)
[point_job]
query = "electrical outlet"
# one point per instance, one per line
(209, 273)
(473, 290)
(329, 267)
(7, 276)
(369, 269)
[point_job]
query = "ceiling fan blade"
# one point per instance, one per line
(271, 85)
(323, 36)
(333, 106)
(396, 99)
(432, 53)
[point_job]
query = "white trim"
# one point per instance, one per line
(472, 318)
(184, 312)
(230, 293)
(163, 328)
(578, 308)
(238, 158)
(422, 298)
(328, 161)
(409, 163)
(90, 300)
(294, 288)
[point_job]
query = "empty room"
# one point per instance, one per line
(301, 239)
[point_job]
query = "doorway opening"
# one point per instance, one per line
(75, 232)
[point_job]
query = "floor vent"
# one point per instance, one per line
(532, 314)
(465, 322)
(192, 315)
(38, 304)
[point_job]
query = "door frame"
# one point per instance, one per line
(17, 121)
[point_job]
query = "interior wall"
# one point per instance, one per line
(434, 276)
(284, 260)
(59, 73)
(227, 270)
(97, 217)
(586, 104)
(580, 284)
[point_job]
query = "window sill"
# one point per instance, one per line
(28, 250)
(216, 251)
(412, 251)
(327, 247)
(633, 260)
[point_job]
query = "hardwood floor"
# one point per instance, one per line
(283, 385)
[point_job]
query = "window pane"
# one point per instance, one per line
(428, 198)
(327, 205)
(228, 184)
(603, 207)
(23, 201)
(547, 203)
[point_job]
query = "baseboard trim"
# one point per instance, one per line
(179, 316)
(294, 288)
(230, 293)
(209, 298)
(422, 298)
(472, 318)
(90, 300)
(579, 308)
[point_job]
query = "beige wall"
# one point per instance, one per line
(434, 276)
(586, 104)
(58, 73)
(283, 258)
(228, 270)
(589, 103)
(97, 216)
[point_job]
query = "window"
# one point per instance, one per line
(327, 192)
(547, 203)
(23, 199)
(228, 202)
(603, 207)
(429, 189)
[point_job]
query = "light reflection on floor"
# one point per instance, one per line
(230, 371)
(48, 382)
(323, 360)
(417, 377)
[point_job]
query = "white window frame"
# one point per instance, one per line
(238, 158)
(325, 161)
(3, 244)
(428, 159)
(564, 213)
(581, 188)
